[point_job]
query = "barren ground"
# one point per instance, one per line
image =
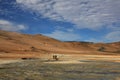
(30, 57)
(63, 58)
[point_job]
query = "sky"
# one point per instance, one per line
(65, 20)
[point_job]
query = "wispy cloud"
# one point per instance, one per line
(91, 14)
(94, 40)
(65, 36)
(113, 36)
(9, 26)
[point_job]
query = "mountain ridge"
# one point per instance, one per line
(14, 42)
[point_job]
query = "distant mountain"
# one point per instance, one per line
(13, 42)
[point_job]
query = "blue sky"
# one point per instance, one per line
(66, 20)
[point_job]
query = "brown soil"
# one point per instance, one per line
(16, 46)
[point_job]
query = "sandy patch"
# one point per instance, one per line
(64, 62)
(9, 61)
(75, 59)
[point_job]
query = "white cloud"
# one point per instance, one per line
(70, 30)
(115, 28)
(64, 36)
(91, 14)
(9, 26)
(113, 36)
(94, 40)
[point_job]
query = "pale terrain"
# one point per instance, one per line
(69, 59)
(38, 50)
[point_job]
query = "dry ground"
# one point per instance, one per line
(68, 67)
(63, 58)
(77, 60)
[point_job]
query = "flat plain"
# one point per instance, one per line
(69, 67)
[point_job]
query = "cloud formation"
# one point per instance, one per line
(91, 14)
(113, 36)
(64, 36)
(9, 26)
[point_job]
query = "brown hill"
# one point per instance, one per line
(13, 42)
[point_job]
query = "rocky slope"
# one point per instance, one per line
(13, 42)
